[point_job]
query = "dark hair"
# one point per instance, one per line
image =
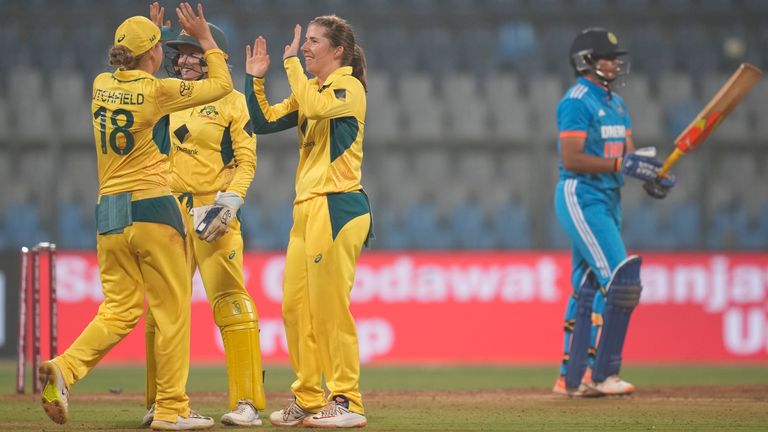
(340, 34)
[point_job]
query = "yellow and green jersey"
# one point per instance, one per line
(331, 125)
(130, 122)
(213, 147)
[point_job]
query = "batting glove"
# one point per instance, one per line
(640, 167)
(659, 188)
(216, 221)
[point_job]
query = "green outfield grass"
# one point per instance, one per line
(440, 399)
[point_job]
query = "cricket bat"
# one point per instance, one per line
(718, 108)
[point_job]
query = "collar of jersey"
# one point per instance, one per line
(593, 86)
(344, 70)
(131, 75)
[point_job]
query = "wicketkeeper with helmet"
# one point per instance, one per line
(596, 153)
(213, 161)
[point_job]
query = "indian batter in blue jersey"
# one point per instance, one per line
(596, 152)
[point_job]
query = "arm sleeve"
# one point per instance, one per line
(267, 118)
(175, 94)
(318, 105)
(244, 146)
(573, 118)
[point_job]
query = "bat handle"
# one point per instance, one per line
(671, 160)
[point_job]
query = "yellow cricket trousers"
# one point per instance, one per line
(325, 241)
(221, 268)
(145, 259)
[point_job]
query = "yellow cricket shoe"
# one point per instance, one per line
(54, 395)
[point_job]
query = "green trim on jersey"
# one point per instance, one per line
(162, 210)
(227, 153)
(259, 121)
(343, 207)
(343, 134)
(161, 134)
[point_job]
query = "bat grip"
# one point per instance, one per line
(670, 162)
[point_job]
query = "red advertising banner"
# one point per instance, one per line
(480, 307)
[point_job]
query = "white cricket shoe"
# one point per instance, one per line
(613, 385)
(194, 421)
(149, 416)
(244, 415)
(336, 415)
(291, 415)
(584, 389)
(55, 393)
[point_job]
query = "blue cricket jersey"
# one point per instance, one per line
(586, 110)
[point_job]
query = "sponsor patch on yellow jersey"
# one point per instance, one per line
(208, 112)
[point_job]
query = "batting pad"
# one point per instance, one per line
(582, 330)
(238, 321)
(623, 295)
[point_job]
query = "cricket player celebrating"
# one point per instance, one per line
(141, 235)
(331, 216)
(213, 161)
(596, 152)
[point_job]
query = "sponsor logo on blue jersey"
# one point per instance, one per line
(613, 131)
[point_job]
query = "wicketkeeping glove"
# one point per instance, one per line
(217, 218)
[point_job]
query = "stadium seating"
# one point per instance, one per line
(460, 128)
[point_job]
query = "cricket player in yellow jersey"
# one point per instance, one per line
(331, 216)
(140, 230)
(213, 161)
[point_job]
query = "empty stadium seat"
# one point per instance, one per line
(512, 226)
(423, 110)
(467, 110)
(645, 112)
(469, 227)
(424, 227)
(23, 231)
(5, 127)
(257, 234)
(31, 105)
(508, 110)
(433, 166)
(74, 231)
(544, 93)
(382, 118)
(71, 108)
(674, 89)
(390, 233)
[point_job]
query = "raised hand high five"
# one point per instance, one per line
(196, 25)
(157, 13)
(257, 63)
(292, 50)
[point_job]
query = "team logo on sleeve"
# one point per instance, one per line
(209, 112)
(186, 88)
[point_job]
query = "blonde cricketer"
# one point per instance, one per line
(141, 237)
